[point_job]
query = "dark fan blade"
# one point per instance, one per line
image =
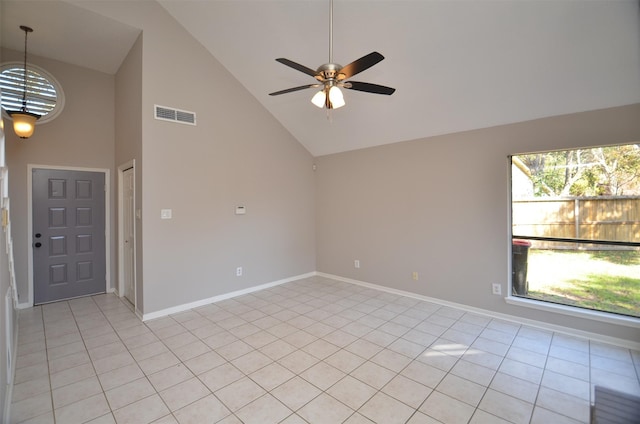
(291, 90)
(362, 64)
(369, 88)
(297, 66)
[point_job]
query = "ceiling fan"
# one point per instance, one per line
(331, 76)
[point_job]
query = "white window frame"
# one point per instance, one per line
(541, 305)
(60, 97)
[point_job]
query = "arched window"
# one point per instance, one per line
(44, 93)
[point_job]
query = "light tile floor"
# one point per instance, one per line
(312, 351)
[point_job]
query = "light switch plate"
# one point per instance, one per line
(165, 214)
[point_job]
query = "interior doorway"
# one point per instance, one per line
(127, 232)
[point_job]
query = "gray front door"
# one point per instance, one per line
(68, 234)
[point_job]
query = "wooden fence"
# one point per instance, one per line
(595, 218)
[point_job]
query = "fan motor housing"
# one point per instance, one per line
(329, 71)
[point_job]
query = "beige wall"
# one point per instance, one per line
(128, 106)
(439, 206)
(81, 136)
(128, 138)
(238, 154)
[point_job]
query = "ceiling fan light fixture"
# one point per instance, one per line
(332, 76)
(319, 98)
(336, 99)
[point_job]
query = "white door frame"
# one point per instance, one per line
(121, 236)
(107, 223)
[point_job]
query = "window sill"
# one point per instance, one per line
(574, 311)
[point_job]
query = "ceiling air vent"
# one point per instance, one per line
(164, 113)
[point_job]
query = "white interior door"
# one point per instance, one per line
(128, 215)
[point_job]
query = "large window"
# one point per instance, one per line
(576, 227)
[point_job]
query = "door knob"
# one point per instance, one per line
(38, 235)
(38, 244)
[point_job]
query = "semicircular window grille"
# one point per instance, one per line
(44, 93)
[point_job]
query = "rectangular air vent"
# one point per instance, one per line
(164, 113)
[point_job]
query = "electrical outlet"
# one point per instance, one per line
(496, 288)
(239, 271)
(415, 275)
(356, 263)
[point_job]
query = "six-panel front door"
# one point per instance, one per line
(68, 234)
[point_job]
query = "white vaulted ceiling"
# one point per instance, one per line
(457, 65)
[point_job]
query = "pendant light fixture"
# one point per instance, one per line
(24, 121)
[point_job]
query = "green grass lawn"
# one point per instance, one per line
(603, 280)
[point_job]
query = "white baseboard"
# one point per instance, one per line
(629, 344)
(186, 306)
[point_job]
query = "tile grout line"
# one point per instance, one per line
(322, 301)
(486, 388)
(452, 366)
(46, 349)
(319, 360)
(111, 410)
(535, 402)
(145, 375)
